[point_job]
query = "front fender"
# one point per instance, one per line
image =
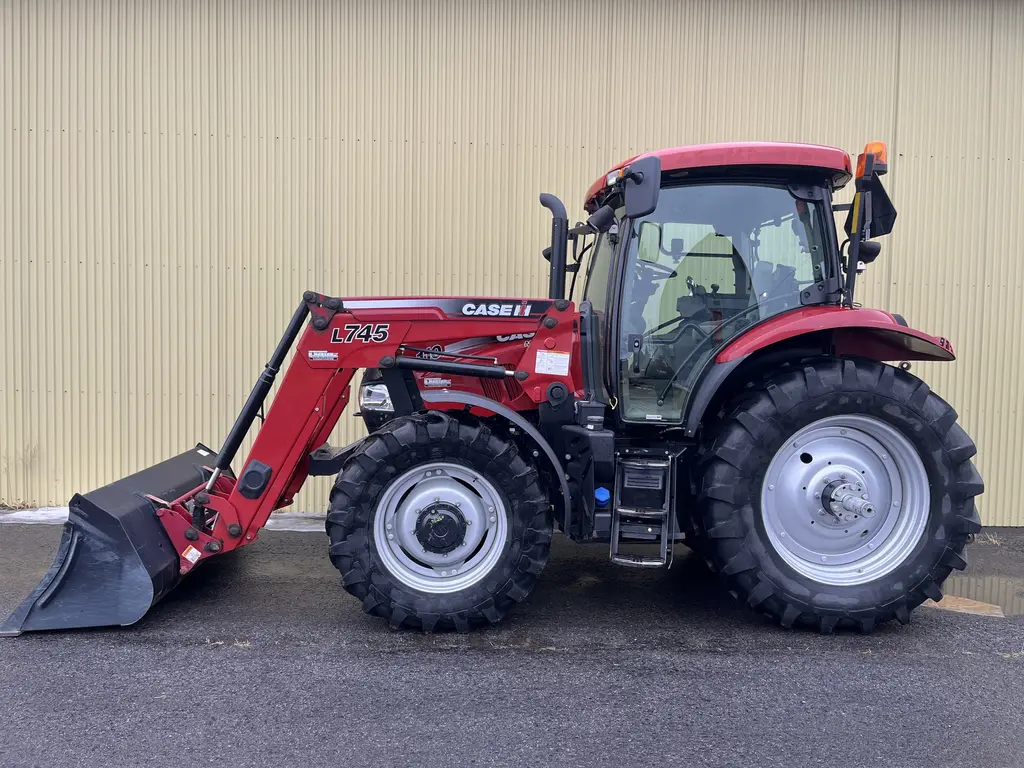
(863, 332)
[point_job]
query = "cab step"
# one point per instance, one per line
(642, 511)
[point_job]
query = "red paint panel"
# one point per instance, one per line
(868, 332)
(831, 159)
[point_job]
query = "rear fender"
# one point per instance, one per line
(838, 331)
(862, 332)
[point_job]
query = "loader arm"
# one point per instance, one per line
(344, 335)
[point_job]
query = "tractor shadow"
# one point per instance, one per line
(581, 582)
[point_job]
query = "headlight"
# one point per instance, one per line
(375, 397)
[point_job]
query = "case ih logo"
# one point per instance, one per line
(521, 309)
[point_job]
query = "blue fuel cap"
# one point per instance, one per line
(602, 495)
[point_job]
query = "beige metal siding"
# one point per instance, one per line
(173, 175)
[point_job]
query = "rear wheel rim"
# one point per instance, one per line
(470, 512)
(846, 500)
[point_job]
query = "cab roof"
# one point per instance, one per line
(834, 161)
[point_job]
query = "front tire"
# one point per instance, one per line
(437, 522)
(839, 493)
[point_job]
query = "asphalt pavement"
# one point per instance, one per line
(260, 659)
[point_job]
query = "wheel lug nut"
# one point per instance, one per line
(492, 518)
(771, 487)
(389, 526)
(444, 573)
(842, 431)
(842, 476)
(391, 535)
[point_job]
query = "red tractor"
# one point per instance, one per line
(716, 385)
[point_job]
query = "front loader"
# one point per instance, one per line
(714, 385)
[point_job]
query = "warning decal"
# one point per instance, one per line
(553, 363)
(191, 554)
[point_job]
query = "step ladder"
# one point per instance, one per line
(642, 511)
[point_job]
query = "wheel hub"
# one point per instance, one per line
(441, 528)
(846, 501)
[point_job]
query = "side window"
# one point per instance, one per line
(793, 242)
(599, 273)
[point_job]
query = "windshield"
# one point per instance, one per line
(712, 260)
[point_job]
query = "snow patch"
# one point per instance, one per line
(41, 516)
(279, 521)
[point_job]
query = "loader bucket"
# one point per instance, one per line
(115, 559)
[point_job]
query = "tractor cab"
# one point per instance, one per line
(694, 253)
(735, 235)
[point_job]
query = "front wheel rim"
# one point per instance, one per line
(846, 500)
(457, 496)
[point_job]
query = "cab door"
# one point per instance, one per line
(712, 260)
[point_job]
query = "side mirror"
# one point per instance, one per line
(642, 183)
(649, 245)
(602, 219)
(869, 251)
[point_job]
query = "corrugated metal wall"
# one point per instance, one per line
(174, 174)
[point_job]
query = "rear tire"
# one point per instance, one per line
(891, 437)
(435, 472)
